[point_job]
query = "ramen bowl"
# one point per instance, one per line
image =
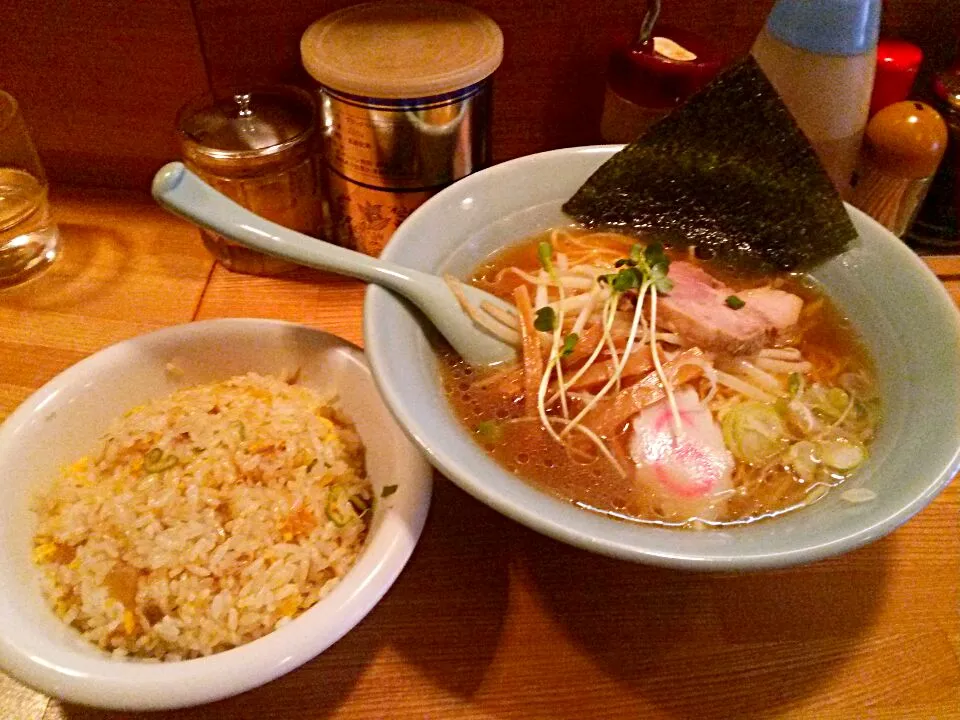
(903, 314)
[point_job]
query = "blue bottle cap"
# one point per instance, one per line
(827, 27)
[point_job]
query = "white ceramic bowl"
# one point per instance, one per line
(905, 316)
(62, 421)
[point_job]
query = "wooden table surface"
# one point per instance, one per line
(491, 620)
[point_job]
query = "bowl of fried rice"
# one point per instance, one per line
(192, 513)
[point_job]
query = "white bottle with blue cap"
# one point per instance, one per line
(821, 57)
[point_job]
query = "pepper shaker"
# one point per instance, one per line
(903, 146)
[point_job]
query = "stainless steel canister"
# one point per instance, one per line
(405, 99)
(385, 158)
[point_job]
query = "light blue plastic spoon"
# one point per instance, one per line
(179, 190)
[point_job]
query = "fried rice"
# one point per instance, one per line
(205, 519)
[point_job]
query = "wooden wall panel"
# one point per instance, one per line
(100, 82)
(934, 25)
(256, 41)
(549, 90)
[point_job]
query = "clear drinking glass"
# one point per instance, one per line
(29, 240)
(260, 148)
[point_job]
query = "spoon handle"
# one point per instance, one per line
(181, 191)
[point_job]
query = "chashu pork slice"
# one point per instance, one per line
(780, 308)
(697, 310)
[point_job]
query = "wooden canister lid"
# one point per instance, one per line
(403, 49)
(907, 139)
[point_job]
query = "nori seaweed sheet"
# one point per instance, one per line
(729, 172)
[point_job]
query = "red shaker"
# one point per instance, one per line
(897, 64)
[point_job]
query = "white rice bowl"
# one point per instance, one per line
(63, 421)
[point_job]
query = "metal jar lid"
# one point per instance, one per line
(247, 132)
(947, 87)
(402, 49)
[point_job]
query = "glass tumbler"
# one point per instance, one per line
(29, 240)
(260, 148)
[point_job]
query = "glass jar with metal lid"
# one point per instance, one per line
(938, 224)
(405, 103)
(259, 147)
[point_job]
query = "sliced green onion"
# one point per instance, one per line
(338, 509)
(842, 455)
(838, 399)
(388, 490)
(793, 383)
(829, 403)
(864, 415)
(360, 504)
(754, 432)
(155, 461)
(734, 302)
(490, 431)
(804, 460)
(799, 417)
(782, 406)
(858, 495)
(545, 253)
(238, 429)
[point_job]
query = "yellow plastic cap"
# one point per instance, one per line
(403, 49)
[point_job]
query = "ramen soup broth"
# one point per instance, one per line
(806, 431)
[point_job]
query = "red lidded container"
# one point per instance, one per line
(646, 80)
(897, 64)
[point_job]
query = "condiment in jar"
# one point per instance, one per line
(259, 147)
(405, 99)
(938, 224)
(820, 55)
(649, 77)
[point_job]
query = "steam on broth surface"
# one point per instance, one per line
(753, 397)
